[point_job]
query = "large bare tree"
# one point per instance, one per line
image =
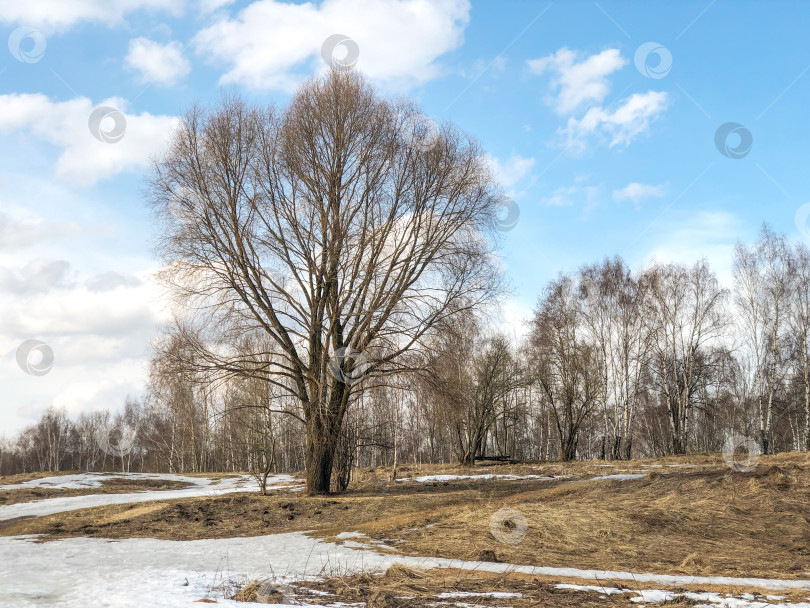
(343, 227)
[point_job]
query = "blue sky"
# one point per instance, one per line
(604, 152)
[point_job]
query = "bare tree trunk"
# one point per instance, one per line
(396, 433)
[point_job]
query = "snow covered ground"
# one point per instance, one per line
(201, 486)
(84, 572)
(440, 478)
(617, 476)
(483, 477)
(91, 480)
(657, 596)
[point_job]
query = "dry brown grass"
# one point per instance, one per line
(23, 477)
(403, 587)
(704, 519)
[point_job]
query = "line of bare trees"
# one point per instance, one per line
(615, 364)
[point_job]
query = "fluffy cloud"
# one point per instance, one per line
(84, 159)
(617, 127)
(159, 63)
(578, 83)
(98, 327)
(37, 277)
(636, 192)
(59, 15)
(271, 44)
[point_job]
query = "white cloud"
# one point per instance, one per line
(85, 160)
(59, 15)
(111, 280)
(37, 277)
(98, 327)
(577, 84)
(158, 63)
(271, 44)
(636, 192)
(619, 127)
(510, 172)
(16, 233)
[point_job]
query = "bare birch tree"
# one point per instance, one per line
(613, 312)
(686, 310)
(763, 288)
(800, 329)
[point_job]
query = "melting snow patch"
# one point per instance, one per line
(201, 487)
(496, 594)
(430, 478)
(344, 535)
(619, 476)
(596, 588)
(76, 572)
(91, 480)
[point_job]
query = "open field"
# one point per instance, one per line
(650, 516)
(651, 527)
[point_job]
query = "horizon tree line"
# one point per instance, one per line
(614, 364)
